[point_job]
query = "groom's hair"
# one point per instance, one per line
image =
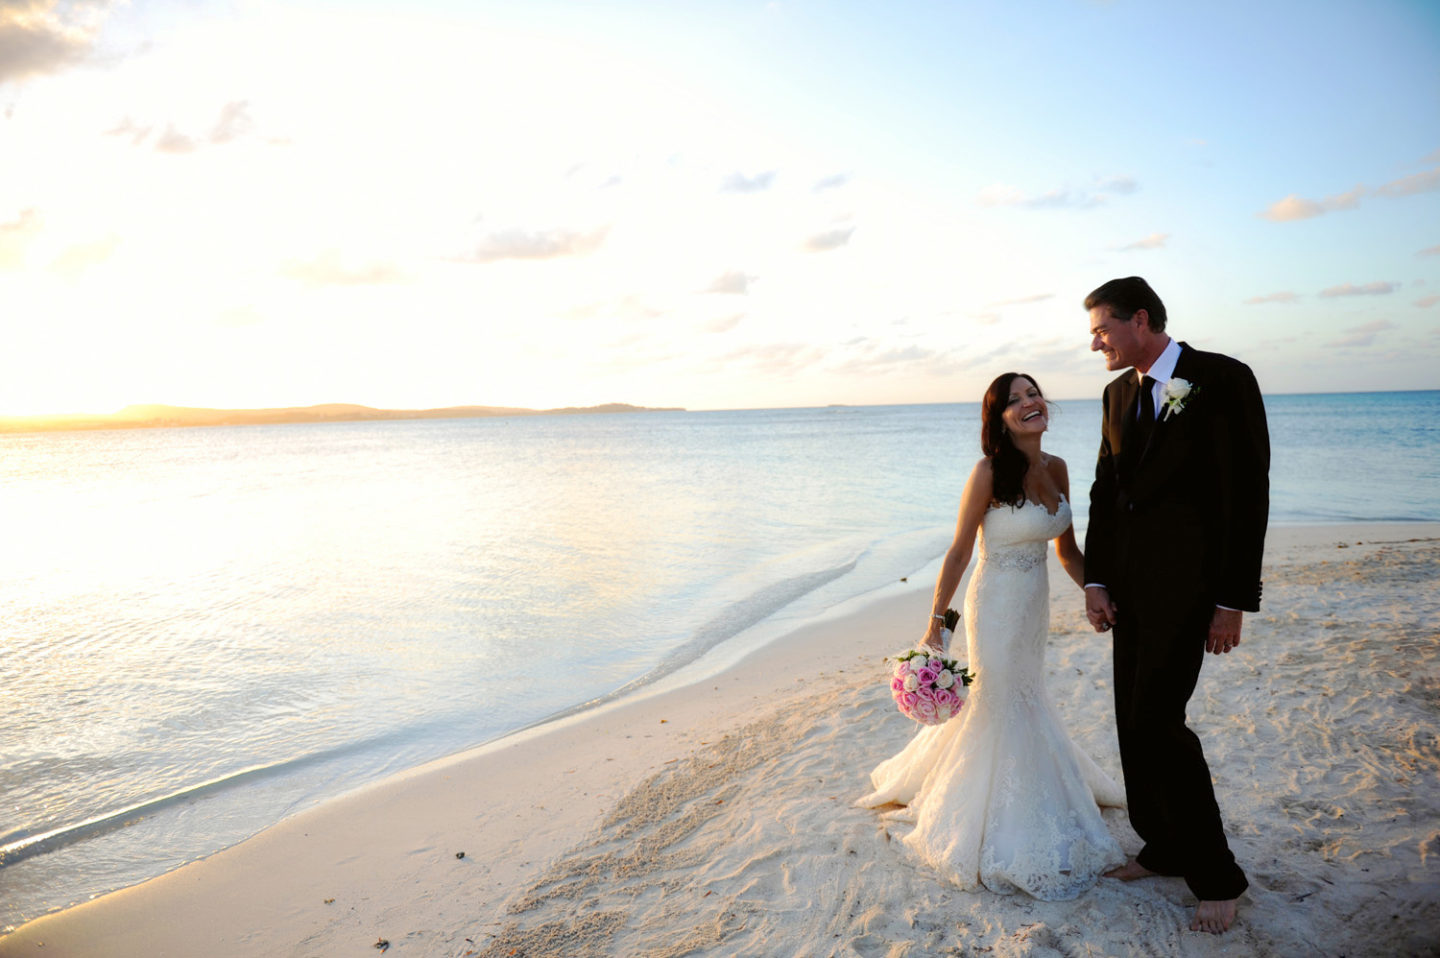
(1128, 296)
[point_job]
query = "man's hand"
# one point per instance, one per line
(1224, 631)
(1098, 608)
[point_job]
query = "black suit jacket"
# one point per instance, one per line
(1186, 514)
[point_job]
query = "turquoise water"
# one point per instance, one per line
(207, 629)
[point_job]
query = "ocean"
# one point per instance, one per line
(207, 629)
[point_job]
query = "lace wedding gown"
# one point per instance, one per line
(999, 795)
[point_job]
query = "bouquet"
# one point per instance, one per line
(927, 686)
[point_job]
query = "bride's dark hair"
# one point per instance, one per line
(1008, 464)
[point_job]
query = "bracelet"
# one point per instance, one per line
(934, 616)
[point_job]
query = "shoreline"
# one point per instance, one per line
(381, 862)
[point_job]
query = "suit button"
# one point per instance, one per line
(1129, 507)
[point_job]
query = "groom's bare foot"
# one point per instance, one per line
(1214, 916)
(1130, 871)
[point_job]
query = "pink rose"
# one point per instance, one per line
(907, 701)
(946, 698)
(936, 664)
(897, 684)
(926, 676)
(925, 695)
(926, 710)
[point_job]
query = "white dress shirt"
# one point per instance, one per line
(1162, 371)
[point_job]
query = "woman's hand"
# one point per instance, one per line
(933, 639)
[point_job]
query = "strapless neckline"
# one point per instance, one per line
(1030, 502)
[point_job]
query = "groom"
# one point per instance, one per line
(1172, 561)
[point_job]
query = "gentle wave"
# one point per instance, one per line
(731, 622)
(20, 845)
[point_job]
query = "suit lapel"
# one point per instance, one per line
(1126, 398)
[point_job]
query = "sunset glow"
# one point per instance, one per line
(710, 205)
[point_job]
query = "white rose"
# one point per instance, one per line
(945, 679)
(912, 682)
(1178, 388)
(942, 712)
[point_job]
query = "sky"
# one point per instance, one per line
(712, 205)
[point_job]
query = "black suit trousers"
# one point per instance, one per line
(1159, 645)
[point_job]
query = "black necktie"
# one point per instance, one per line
(1147, 409)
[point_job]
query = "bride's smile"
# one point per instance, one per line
(1025, 411)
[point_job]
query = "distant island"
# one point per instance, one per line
(160, 417)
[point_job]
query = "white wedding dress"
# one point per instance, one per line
(1000, 796)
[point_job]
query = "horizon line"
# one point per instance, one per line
(617, 407)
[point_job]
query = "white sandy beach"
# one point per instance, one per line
(716, 819)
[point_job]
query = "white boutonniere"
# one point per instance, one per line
(1176, 396)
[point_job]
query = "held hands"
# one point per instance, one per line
(1098, 608)
(1224, 631)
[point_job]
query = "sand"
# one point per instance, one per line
(716, 818)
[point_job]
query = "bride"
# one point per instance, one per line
(1000, 796)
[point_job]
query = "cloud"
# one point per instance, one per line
(45, 36)
(1153, 241)
(830, 239)
(1024, 300)
(540, 244)
(740, 183)
(627, 309)
(1294, 207)
(1359, 336)
(776, 358)
(1426, 182)
(327, 270)
(1119, 185)
(1290, 209)
(832, 182)
(1425, 302)
(881, 360)
(991, 315)
(235, 121)
(173, 141)
(1000, 194)
(1350, 289)
(733, 282)
(77, 259)
(128, 127)
(724, 324)
(1429, 251)
(1285, 297)
(15, 237)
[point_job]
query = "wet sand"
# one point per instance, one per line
(716, 818)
